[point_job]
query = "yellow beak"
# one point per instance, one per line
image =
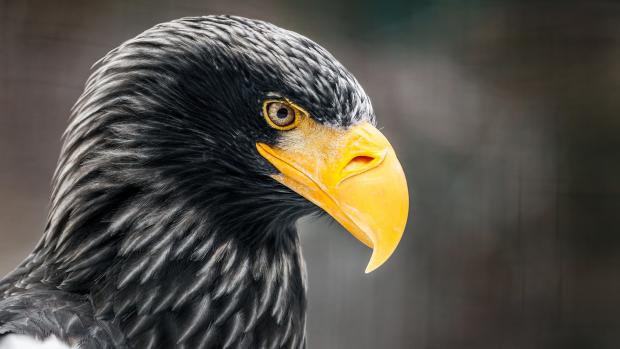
(352, 174)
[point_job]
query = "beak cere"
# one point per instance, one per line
(352, 174)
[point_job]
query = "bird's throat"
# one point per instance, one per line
(220, 291)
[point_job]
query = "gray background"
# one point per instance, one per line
(506, 116)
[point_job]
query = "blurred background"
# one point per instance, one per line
(506, 116)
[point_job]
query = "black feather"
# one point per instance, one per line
(165, 228)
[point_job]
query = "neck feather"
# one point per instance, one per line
(168, 274)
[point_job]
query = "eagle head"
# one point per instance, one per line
(241, 122)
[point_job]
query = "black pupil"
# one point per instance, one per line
(282, 113)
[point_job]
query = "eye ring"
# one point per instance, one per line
(282, 115)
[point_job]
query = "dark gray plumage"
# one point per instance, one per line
(165, 229)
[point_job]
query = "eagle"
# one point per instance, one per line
(190, 155)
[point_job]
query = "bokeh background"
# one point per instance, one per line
(506, 116)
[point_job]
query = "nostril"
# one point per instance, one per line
(358, 163)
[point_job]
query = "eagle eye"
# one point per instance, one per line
(282, 114)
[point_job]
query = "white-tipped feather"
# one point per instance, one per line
(18, 341)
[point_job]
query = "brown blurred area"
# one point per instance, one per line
(505, 115)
